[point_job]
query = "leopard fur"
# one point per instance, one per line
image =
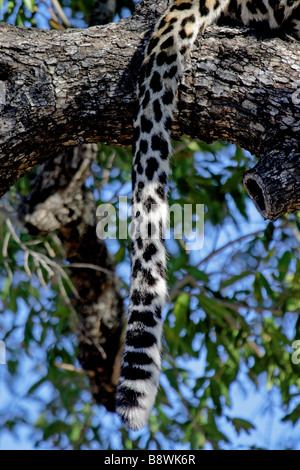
(170, 42)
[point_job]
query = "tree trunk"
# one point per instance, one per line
(64, 88)
(60, 201)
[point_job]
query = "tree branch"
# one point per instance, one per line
(274, 183)
(65, 88)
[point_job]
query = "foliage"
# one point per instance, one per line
(233, 313)
(45, 13)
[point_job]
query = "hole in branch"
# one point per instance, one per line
(255, 191)
(3, 75)
(6, 72)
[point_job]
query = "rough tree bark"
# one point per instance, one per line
(65, 88)
(60, 201)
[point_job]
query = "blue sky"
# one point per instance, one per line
(259, 406)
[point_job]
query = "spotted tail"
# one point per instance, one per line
(158, 83)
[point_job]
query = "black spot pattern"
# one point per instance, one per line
(168, 123)
(152, 166)
(150, 251)
(146, 318)
(163, 178)
(150, 204)
(146, 99)
(182, 6)
(128, 397)
(146, 124)
(165, 59)
(155, 82)
(160, 270)
(133, 178)
(157, 111)
(148, 278)
(144, 147)
(159, 143)
(167, 30)
(136, 268)
(167, 43)
(171, 73)
(132, 249)
(158, 312)
(135, 373)
(138, 358)
(139, 339)
(161, 192)
(203, 8)
(188, 19)
(168, 97)
(152, 44)
(139, 242)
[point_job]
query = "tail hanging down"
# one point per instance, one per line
(171, 40)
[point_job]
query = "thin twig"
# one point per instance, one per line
(5, 244)
(43, 260)
(89, 266)
(61, 13)
(72, 368)
(227, 245)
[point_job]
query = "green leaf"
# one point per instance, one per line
(30, 4)
(181, 309)
(198, 274)
(293, 416)
(241, 424)
(75, 432)
(19, 20)
(283, 264)
(257, 287)
(267, 286)
(236, 278)
(4, 293)
(36, 385)
(172, 377)
(213, 308)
